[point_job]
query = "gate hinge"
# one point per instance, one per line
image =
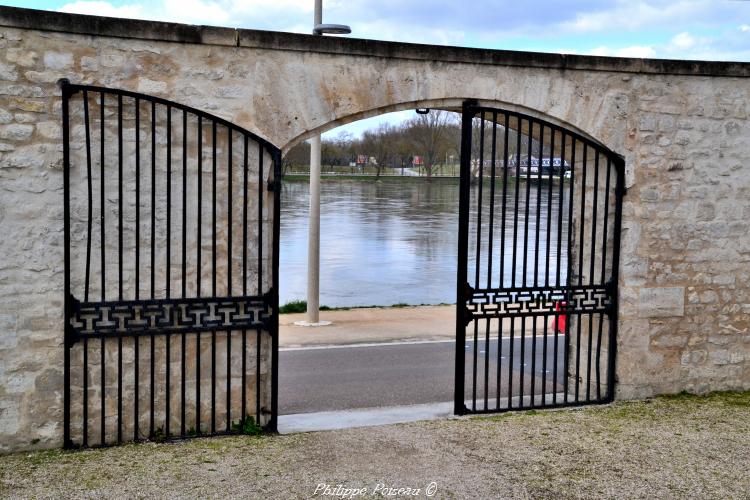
(71, 334)
(468, 292)
(468, 316)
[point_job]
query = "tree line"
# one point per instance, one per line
(433, 137)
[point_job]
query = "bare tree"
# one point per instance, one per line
(380, 144)
(298, 156)
(430, 134)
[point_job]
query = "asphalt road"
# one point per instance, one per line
(339, 378)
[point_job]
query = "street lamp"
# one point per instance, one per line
(331, 29)
(313, 239)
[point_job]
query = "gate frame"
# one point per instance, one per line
(68, 90)
(469, 109)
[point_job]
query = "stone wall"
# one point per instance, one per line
(682, 127)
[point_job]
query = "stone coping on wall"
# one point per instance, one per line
(184, 33)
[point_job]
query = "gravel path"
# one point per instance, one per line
(681, 446)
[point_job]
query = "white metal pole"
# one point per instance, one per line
(318, 17)
(313, 242)
(313, 238)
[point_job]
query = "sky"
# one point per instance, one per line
(677, 29)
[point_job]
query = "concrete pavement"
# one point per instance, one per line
(379, 325)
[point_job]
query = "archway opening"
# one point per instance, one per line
(392, 238)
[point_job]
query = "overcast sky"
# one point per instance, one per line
(684, 29)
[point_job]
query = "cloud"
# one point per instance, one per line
(682, 41)
(630, 15)
(97, 8)
(643, 51)
(690, 29)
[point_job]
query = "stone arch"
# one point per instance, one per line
(452, 104)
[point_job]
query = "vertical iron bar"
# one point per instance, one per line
(580, 264)
(467, 115)
(569, 277)
(515, 206)
(598, 355)
(213, 277)
(526, 211)
(183, 339)
(258, 339)
(549, 209)
(533, 361)
(505, 193)
(273, 427)
(547, 255)
(489, 259)
(198, 273)
(606, 223)
(153, 259)
(619, 164)
(544, 361)
(583, 213)
(101, 201)
(510, 360)
(478, 261)
(119, 261)
(538, 201)
(492, 201)
(604, 276)
(119, 197)
(563, 141)
(88, 267)
(591, 270)
(499, 361)
(244, 274)
(68, 341)
(229, 273)
(474, 367)
(168, 353)
(522, 361)
(559, 259)
(90, 192)
(479, 204)
(137, 339)
(102, 420)
(85, 442)
(258, 345)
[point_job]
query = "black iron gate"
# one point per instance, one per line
(170, 275)
(539, 237)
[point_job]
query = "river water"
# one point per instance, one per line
(395, 241)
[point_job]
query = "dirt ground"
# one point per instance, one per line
(671, 447)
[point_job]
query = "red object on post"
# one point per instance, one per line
(558, 325)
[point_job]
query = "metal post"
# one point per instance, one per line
(67, 341)
(467, 115)
(313, 238)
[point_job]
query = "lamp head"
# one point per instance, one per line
(331, 29)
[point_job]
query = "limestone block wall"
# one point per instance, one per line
(682, 126)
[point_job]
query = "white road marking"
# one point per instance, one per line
(402, 342)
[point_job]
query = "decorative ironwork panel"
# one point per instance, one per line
(158, 317)
(171, 264)
(498, 303)
(539, 236)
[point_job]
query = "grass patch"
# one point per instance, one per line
(295, 306)
(247, 427)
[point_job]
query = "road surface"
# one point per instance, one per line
(316, 379)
